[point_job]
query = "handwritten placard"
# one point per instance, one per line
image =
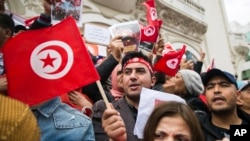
(96, 34)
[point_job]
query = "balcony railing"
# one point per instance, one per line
(239, 42)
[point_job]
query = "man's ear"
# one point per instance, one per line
(239, 98)
(153, 81)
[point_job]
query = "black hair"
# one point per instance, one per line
(20, 27)
(7, 22)
(131, 55)
(160, 77)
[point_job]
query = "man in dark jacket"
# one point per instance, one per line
(118, 123)
(221, 94)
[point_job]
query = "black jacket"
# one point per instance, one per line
(195, 103)
(209, 130)
(243, 115)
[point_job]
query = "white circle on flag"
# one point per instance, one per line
(153, 13)
(47, 60)
(172, 63)
(149, 30)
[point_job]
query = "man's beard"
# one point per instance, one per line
(135, 98)
(223, 112)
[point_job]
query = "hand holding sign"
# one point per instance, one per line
(129, 33)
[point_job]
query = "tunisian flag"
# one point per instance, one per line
(169, 63)
(44, 63)
(150, 32)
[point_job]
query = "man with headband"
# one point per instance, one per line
(118, 122)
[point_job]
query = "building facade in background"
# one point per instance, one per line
(240, 38)
(200, 24)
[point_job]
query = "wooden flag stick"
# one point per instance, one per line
(103, 94)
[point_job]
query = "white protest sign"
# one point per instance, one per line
(148, 100)
(96, 34)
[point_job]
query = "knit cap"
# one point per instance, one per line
(192, 82)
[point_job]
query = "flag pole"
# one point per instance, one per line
(103, 94)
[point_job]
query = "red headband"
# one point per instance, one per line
(139, 60)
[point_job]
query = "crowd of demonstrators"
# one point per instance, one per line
(221, 93)
(55, 118)
(173, 121)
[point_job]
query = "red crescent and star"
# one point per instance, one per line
(48, 61)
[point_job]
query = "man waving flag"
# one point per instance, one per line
(41, 64)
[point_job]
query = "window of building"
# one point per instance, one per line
(245, 74)
(248, 57)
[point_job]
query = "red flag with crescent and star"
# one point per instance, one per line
(44, 63)
(149, 33)
(169, 63)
